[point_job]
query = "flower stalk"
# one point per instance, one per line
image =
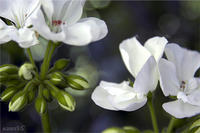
(171, 125)
(153, 116)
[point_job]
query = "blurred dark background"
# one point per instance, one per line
(178, 21)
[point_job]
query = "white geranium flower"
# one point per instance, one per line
(177, 79)
(142, 64)
(59, 20)
(19, 12)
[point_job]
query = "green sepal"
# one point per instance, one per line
(18, 101)
(40, 105)
(9, 69)
(77, 82)
(66, 101)
(8, 93)
(56, 78)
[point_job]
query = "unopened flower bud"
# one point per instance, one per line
(114, 130)
(18, 102)
(46, 94)
(8, 93)
(77, 82)
(56, 78)
(40, 105)
(66, 101)
(26, 71)
(61, 64)
(9, 69)
(31, 95)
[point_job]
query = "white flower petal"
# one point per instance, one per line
(180, 109)
(42, 28)
(186, 61)
(128, 101)
(134, 55)
(48, 8)
(147, 78)
(18, 11)
(4, 32)
(25, 37)
(156, 46)
(194, 97)
(168, 78)
(85, 31)
(100, 97)
(71, 11)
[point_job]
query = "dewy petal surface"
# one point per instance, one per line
(115, 96)
(85, 31)
(168, 78)
(179, 109)
(147, 78)
(186, 61)
(134, 55)
(156, 46)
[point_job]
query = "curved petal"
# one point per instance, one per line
(168, 78)
(70, 12)
(48, 8)
(129, 101)
(115, 96)
(186, 61)
(180, 109)
(100, 97)
(25, 37)
(42, 28)
(4, 32)
(147, 78)
(134, 55)
(18, 11)
(156, 46)
(87, 30)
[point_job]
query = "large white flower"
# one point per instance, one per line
(59, 20)
(141, 61)
(19, 12)
(177, 79)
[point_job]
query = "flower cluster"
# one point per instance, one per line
(24, 21)
(147, 66)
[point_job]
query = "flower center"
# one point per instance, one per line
(57, 22)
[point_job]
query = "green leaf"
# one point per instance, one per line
(9, 69)
(8, 93)
(195, 124)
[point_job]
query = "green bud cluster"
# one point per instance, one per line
(24, 86)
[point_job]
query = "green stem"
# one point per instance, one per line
(171, 125)
(32, 61)
(153, 116)
(45, 122)
(47, 58)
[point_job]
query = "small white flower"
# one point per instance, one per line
(60, 21)
(177, 79)
(141, 61)
(19, 12)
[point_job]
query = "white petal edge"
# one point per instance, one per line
(156, 46)
(187, 62)
(85, 31)
(147, 78)
(168, 78)
(134, 55)
(179, 109)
